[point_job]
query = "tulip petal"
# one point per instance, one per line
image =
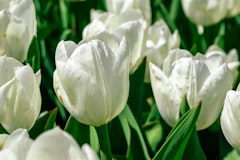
(229, 119)
(212, 95)
(167, 98)
(55, 144)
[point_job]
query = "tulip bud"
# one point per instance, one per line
(56, 144)
(92, 79)
(230, 118)
(192, 77)
(205, 12)
(20, 98)
(18, 26)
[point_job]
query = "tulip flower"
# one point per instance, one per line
(56, 144)
(92, 79)
(230, 118)
(20, 98)
(160, 41)
(205, 12)
(193, 77)
(18, 26)
(119, 6)
(130, 25)
(15, 146)
(231, 59)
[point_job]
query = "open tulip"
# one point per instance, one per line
(57, 144)
(20, 98)
(18, 26)
(194, 78)
(205, 12)
(230, 118)
(92, 79)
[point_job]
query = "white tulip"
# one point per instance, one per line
(18, 20)
(15, 146)
(119, 6)
(231, 59)
(20, 98)
(57, 144)
(205, 12)
(128, 24)
(92, 79)
(192, 77)
(230, 118)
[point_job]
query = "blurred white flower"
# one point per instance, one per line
(182, 75)
(205, 12)
(15, 146)
(230, 118)
(92, 77)
(20, 98)
(56, 144)
(233, 8)
(18, 26)
(119, 6)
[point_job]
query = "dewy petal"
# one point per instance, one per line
(55, 144)
(212, 95)
(230, 121)
(165, 94)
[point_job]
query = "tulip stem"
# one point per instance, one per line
(104, 142)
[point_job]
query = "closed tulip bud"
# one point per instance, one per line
(205, 12)
(194, 78)
(230, 118)
(20, 98)
(92, 79)
(56, 144)
(18, 26)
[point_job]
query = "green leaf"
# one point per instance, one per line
(3, 130)
(79, 131)
(33, 57)
(132, 131)
(44, 123)
(177, 139)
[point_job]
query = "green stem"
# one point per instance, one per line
(104, 142)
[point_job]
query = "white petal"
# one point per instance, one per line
(212, 95)
(230, 122)
(166, 96)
